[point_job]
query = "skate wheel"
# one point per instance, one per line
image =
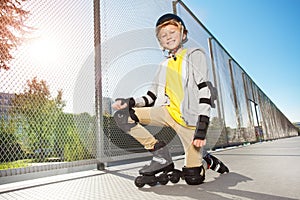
(175, 177)
(138, 182)
(152, 183)
(163, 179)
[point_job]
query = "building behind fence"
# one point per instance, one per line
(55, 101)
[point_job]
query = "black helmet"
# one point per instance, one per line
(167, 17)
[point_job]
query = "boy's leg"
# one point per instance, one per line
(147, 116)
(193, 155)
(193, 171)
(143, 136)
(162, 160)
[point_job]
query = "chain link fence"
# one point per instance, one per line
(48, 119)
(55, 100)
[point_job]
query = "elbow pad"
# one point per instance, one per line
(202, 126)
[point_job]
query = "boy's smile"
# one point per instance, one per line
(170, 37)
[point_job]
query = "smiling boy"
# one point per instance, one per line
(179, 98)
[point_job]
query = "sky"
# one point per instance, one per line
(263, 36)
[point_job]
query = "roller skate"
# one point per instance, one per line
(193, 175)
(215, 164)
(161, 164)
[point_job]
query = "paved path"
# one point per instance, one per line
(268, 170)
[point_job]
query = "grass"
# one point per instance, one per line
(15, 164)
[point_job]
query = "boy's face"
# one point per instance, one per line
(169, 37)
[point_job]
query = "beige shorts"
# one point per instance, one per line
(159, 116)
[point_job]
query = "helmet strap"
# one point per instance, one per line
(172, 53)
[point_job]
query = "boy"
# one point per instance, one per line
(180, 98)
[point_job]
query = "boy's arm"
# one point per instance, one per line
(144, 101)
(200, 69)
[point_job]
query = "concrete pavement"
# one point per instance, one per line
(267, 170)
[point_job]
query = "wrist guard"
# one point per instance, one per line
(129, 101)
(202, 126)
(121, 116)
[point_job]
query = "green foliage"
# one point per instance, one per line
(86, 128)
(36, 127)
(74, 139)
(15, 164)
(36, 113)
(64, 122)
(10, 149)
(73, 149)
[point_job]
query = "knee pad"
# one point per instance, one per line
(194, 175)
(121, 119)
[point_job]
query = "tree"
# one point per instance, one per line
(12, 29)
(10, 149)
(74, 149)
(37, 112)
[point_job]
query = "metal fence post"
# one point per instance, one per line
(98, 83)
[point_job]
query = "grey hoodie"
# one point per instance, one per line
(194, 72)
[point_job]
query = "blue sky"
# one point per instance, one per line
(263, 36)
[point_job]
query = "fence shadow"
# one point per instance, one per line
(220, 188)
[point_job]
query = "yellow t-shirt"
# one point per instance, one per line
(174, 87)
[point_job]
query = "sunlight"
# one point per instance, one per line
(43, 51)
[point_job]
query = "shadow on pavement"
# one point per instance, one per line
(220, 188)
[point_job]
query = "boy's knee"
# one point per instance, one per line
(121, 118)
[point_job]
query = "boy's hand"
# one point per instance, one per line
(119, 105)
(199, 142)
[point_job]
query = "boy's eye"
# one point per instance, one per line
(163, 35)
